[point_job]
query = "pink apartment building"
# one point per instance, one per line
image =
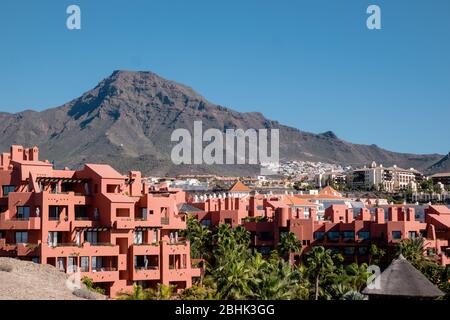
(112, 228)
(341, 229)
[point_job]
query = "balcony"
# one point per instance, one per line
(131, 223)
(145, 249)
(174, 222)
(149, 273)
(181, 274)
(84, 222)
(28, 249)
(7, 250)
(85, 249)
(102, 274)
(31, 223)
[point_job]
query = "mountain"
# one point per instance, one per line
(443, 165)
(128, 118)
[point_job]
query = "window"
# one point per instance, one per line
(97, 263)
(173, 237)
(362, 251)
(349, 236)
(349, 251)
(72, 264)
(52, 239)
(412, 234)
(364, 235)
(319, 235)
(265, 236)
(228, 221)
(155, 236)
(333, 236)
(123, 212)
(7, 189)
(259, 207)
(138, 237)
(81, 213)
(84, 262)
(144, 213)
(61, 264)
(21, 237)
(54, 212)
(112, 188)
(23, 212)
(396, 235)
(91, 237)
(54, 188)
(206, 222)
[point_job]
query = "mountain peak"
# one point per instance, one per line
(127, 121)
(329, 134)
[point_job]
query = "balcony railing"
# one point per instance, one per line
(62, 244)
(20, 219)
(143, 268)
(155, 243)
(165, 220)
(82, 218)
(102, 244)
(104, 269)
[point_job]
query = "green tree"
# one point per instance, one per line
(376, 254)
(137, 294)
(413, 250)
(320, 263)
(289, 244)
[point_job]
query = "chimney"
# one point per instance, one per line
(379, 214)
(349, 216)
(393, 214)
(365, 214)
(411, 214)
(313, 214)
(135, 183)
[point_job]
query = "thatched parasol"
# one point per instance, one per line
(401, 279)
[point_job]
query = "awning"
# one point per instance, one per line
(56, 179)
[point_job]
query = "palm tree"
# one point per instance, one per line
(137, 294)
(233, 280)
(320, 262)
(357, 276)
(375, 254)
(199, 237)
(162, 292)
(289, 244)
(354, 295)
(413, 250)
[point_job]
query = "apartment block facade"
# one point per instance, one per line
(342, 230)
(112, 228)
(389, 179)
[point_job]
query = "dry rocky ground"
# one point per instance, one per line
(23, 280)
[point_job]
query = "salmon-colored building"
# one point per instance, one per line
(112, 228)
(343, 230)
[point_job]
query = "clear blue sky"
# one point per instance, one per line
(309, 64)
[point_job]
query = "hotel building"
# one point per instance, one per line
(112, 228)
